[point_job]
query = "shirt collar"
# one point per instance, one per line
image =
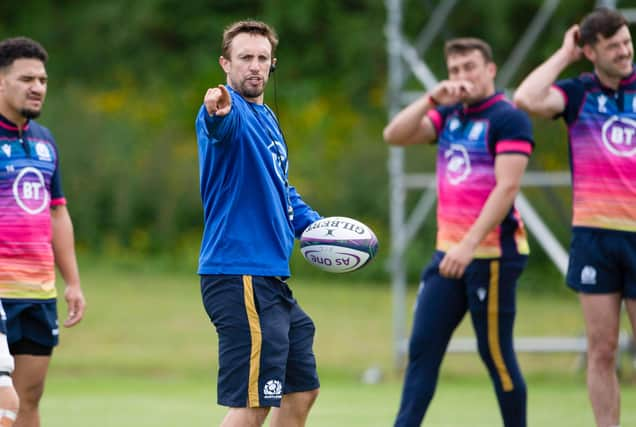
(483, 104)
(624, 82)
(9, 125)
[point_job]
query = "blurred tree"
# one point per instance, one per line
(126, 80)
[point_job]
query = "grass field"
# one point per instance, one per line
(145, 355)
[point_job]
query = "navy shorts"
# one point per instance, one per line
(32, 320)
(602, 262)
(265, 340)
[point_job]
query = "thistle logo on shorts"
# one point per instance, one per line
(273, 389)
(588, 275)
(458, 164)
(619, 136)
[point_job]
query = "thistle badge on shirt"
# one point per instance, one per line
(43, 152)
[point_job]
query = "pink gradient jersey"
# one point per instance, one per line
(602, 134)
(29, 186)
(469, 138)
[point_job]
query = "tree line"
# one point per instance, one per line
(126, 80)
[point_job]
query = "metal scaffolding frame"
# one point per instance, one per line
(404, 61)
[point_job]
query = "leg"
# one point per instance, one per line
(247, 340)
(245, 417)
(28, 377)
(440, 306)
(602, 315)
(301, 377)
(9, 402)
(630, 306)
(493, 316)
(252, 319)
(294, 409)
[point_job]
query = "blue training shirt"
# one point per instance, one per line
(251, 213)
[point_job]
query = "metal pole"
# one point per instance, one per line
(437, 21)
(398, 192)
(527, 41)
(544, 236)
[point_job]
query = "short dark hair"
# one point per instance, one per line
(250, 27)
(603, 21)
(20, 48)
(464, 45)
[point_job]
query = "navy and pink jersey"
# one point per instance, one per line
(29, 186)
(602, 134)
(469, 139)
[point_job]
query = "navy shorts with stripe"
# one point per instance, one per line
(265, 340)
(602, 262)
(34, 320)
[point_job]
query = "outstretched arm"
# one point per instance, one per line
(536, 94)
(509, 169)
(64, 251)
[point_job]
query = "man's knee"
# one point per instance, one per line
(30, 395)
(312, 395)
(245, 417)
(301, 401)
(602, 351)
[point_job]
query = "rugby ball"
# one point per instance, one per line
(338, 244)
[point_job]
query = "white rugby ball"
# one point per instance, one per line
(338, 244)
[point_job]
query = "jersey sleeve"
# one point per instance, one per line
(438, 117)
(214, 129)
(304, 215)
(572, 91)
(57, 194)
(512, 134)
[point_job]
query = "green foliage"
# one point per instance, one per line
(501, 23)
(127, 78)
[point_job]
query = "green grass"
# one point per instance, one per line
(155, 402)
(145, 355)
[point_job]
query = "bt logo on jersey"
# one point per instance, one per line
(29, 191)
(619, 136)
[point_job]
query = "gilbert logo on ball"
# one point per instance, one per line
(338, 244)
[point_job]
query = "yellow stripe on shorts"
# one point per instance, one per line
(493, 328)
(255, 334)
